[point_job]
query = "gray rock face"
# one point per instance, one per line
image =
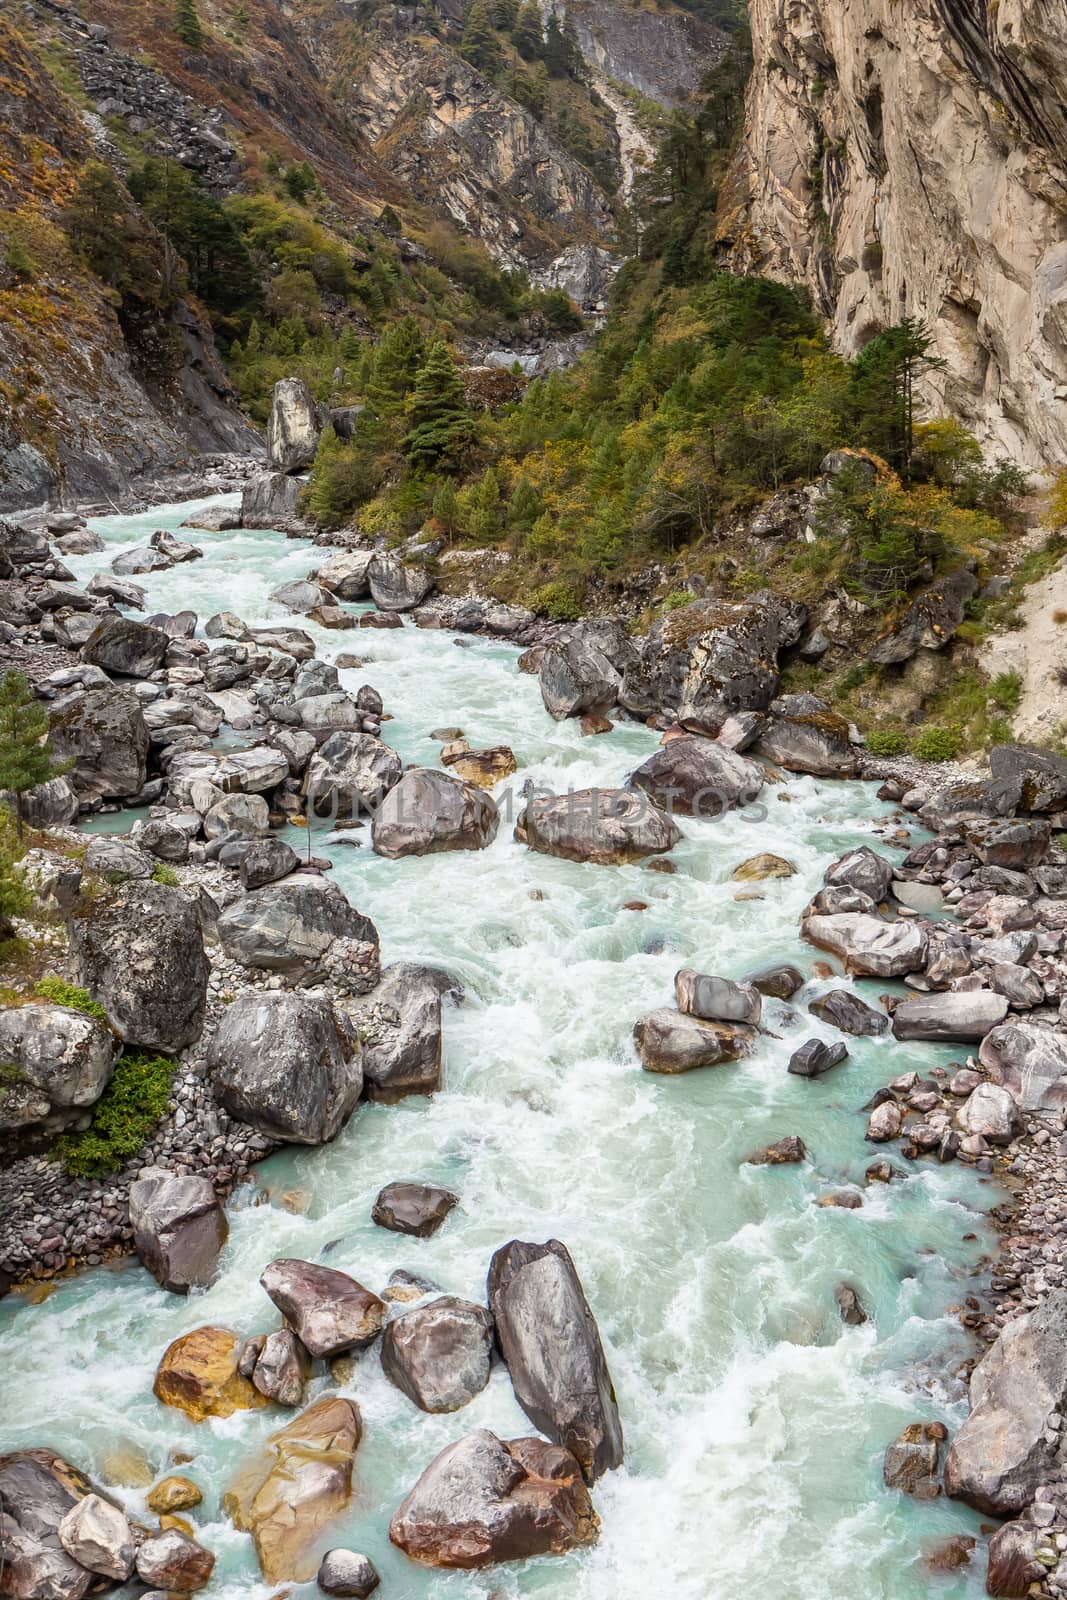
(48, 805)
(1018, 843)
(124, 647)
(482, 1501)
(351, 774)
(140, 953)
(117, 859)
(293, 429)
(990, 1112)
(802, 734)
(1028, 1060)
(347, 1573)
(717, 999)
(930, 620)
(1028, 779)
(440, 1355)
(696, 777)
(668, 1042)
(346, 574)
(304, 927)
(1003, 1452)
(270, 500)
(97, 1536)
(329, 1311)
(396, 587)
(104, 733)
(845, 1010)
(606, 827)
(415, 1208)
(867, 945)
(951, 1017)
(583, 673)
(38, 1489)
(57, 1063)
(179, 1228)
(427, 812)
(399, 1023)
(281, 1063)
(550, 1341)
(863, 869)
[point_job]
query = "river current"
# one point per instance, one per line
(755, 1421)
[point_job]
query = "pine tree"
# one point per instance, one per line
(446, 508)
(563, 58)
(187, 24)
(505, 14)
(26, 757)
(527, 33)
(442, 428)
(884, 379)
(401, 351)
(479, 44)
(484, 509)
(348, 346)
(524, 507)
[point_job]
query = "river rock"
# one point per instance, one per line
(37, 1491)
(482, 1500)
(47, 805)
(991, 1113)
(428, 812)
(415, 1208)
(96, 1535)
(696, 777)
(885, 1122)
(179, 1228)
(306, 928)
(867, 945)
(849, 1305)
(669, 1042)
(787, 1152)
(120, 590)
(717, 999)
(1004, 1450)
(549, 1338)
(1011, 1567)
(116, 858)
(845, 1010)
(802, 734)
(862, 869)
(293, 427)
(176, 550)
(351, 774)
(237, 813)
(295, 1486)
(1018, 843)
(399, 1024)
(270, 500)
(396, 587)
(103, 731)
(164, 841)
(346, 574)
(199, 1374)
(142, 558)
(347, 1573)
(1030, 1061)
(814, 1057)
(57, 1062)
(760, 867)
(484, 768)
(140, 953)
(440, 1354)
(583, 672)
(951, 1016)
(607, 827)
(172, 1562)
(911, 1461)
(266, 861)
(173, 1493)
(124, 647)
(779, 982)
(329, 1312)
(283, 1064)
(1028, 779)
(279, 1372)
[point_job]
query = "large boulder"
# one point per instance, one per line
(140, 953)
(714, 999)
(293, 428)
(283, 1064)
(170, 1562)
(351, 774)
(712, 658)
(429, 811)
(346, 574)
(306, 928)
(607, 827)
(38, 1489)
(124, 647)
(395, 586)
(440, 1354)
(57, 1062)
(1017, 843)
(179, 1228)
(328, 1311)
(930, 620)
(415, 1208)
(550, 1341)
(96, 1535)
(103, 731)
(1027, 779)
(868, 946)
(950, 1018)
(295, 1486)
(1005, 1449)
(270, 500)
(117, 858)
(1030, 1060)
(199, 1374)
(990, 1113)
(862, 869)
(483, 1500)
(53, 804)
(802, 734)
(669, 1042)
(301, 596)
(399, 1024)
(696, 777)
(583, 673)
(845, 1010)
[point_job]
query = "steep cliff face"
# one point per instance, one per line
(912, 160)
(663, 54)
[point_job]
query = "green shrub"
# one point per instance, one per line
(1006, 690)
(886, 742)
(557, 600)
(936, 744)
(62, 993)
(677, 599)
(134, 1102)
(162, 873)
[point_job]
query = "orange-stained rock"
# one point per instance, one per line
(198, 1374)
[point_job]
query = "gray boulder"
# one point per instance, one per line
(1005, 1449)
(1029, 1060)
(96, 1535)
(868, 946)
(583, 673)
(1017, 843)
(116, 858)
(399, 1024)
(304, 927)
(103, 731)
(991, 1113)
(293, 428)
(237, 813)
(120, 590)
(326, 714)
(172, 1562)
(37, 1491)
(47, 805)
(428, 811)
(140, 953)
(863, 869)
(396, 587)
(351, 774)
(815, 1056)
(930, 620)
(328, 1311)
(301, 596)
(141, 559)
(845, 1010)
(549, 1338)
(176, 550)
(57, 1062)
(717, 999)
(179, 1228)
(696, 777)
(440, 1354)
(267, 861)
(950, 1017)
(270, 500)
(346, 574)
(126, 648)
(164, 841)
(668, 1042)
(607, 827)
(802, 734)
(1028, 779)
(279, 1372)
(283, 1064)
(347, 1573)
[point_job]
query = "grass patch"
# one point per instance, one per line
(886, 742)
(62, 993)
(936, 744)
(162, 873)
(130, 1108)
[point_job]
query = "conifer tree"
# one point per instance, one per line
(187, 24)
(479, 44)
(26, 757)
(527, 33)
(484, 509)
(524, 507)
(442, 428)
(446, 508)
(401, 351)
(348, 346)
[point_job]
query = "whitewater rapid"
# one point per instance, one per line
(755, 1421)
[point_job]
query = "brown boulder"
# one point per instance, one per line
(329, 1311)
(198, 1374)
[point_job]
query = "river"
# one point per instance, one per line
(755, 1421)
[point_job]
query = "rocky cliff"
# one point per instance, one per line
(912, 160)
